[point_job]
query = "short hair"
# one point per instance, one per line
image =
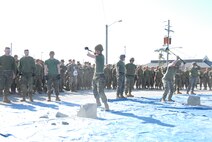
(7, 47)
(26, 50)
(51, 52)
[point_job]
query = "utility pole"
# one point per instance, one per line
(167, 41)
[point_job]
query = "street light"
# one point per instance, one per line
(106, 46)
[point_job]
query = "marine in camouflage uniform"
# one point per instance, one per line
(99, 78)
(108, 76)
(158, 78)
(185, 79)
(193, 76)
(16, 82)
(39, 74)
(73, 73)
(130, 76)
(7, 74)
(114, 79)
(178, 81)
(151, 78)
(52, 75)
(206, 79)
(139, 74)
(80, 76)
(63, 69)
(168, 80)
(27, 73)
(120, 70)
(146, 77)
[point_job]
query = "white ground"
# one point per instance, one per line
(142, 118)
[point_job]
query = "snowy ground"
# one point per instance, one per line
(140, 119)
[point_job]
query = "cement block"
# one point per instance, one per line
(88, 110)
(193, 100)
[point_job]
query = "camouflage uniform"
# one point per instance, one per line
(120, 70)
(80, 77)
(178, 81)
(151, 78)
(99, 78)
(185, 79)
(39, 70)
(158, 78)
(108, 75)
(168, 80)
(193, 75)
(16, 82)
(201, 79)
(130, 76)
(63, 69)
(7, 72)
(73, 73)
(114, 79)
(146, 77)
(206, 79)
(140, 75)
(52, 74)
(27, 72)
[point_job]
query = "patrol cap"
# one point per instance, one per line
(51, 52)
(99, 47)
(194, 63)
(132, 59)
(122, 56)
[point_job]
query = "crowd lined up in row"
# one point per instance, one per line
(30, 76)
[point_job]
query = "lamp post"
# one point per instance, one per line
(106, 44)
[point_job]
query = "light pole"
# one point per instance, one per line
(106, 44)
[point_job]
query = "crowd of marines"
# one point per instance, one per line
(27, 76)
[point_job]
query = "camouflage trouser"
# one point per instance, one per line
(53, 81)
(192, 84)
(73, 83)
(6, 79)
(98, 87)
(27, 81)
(38, 83)
(178, 84)
(62, 81)
(16, 85)
(120, 84)
(168, 88)
(129, 83)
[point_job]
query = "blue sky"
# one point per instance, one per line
(67, 26)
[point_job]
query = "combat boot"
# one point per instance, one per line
(49, 98)
(30, 98)
(57, 98)
(130, 95)
(193, 93)
(5, 99)
(178, 92)
(106, 106)
(23, 99)
(122, 96)
(117, 96)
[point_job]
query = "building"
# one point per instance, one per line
(163, 63)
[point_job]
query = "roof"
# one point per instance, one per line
(155, 63)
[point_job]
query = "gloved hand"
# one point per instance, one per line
(58, 76)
